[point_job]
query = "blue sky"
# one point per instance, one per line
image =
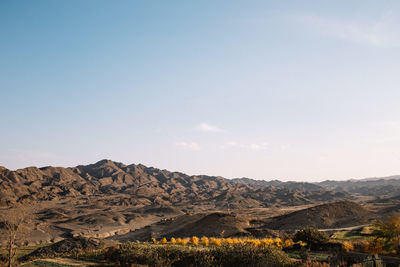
(305, 90)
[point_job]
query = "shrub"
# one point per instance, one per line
(310, 263)
(288, 243)
(347, 246)
(236, 255)
(278, 242)
(312, 237)
(304, 254)
(373, 246)
(389, 233)
(195, 258)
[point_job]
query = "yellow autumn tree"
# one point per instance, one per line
(347, 246)
(194, 240)
(389, 232)
(204, 241)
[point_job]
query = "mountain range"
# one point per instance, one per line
(109, 198)
(141, 185)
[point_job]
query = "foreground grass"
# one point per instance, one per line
(188, 252)
(22, 251)
(348, 235)
(315, 256)
(356, 234)
(150, 254)
(176, 255)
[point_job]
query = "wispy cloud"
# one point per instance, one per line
(383, 32)
(251, 146)
(188, 145)
(208, 128)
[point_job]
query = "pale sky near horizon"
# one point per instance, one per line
(289, 90)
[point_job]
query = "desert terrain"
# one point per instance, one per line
(111, 200)
(115, 203)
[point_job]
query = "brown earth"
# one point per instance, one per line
(217, 224)
(66, 246)
(138, 185)
(331, 215)
(108, 198)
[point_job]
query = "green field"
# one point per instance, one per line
(356, 234)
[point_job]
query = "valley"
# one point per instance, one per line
(116, 203)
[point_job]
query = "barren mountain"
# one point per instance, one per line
(376, 187)
(139, 185)
(290, 185)
(110, 198)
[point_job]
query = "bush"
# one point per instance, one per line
(249, 255)
(373, 246)
(304, 254)
(169, 255)
(347, 246)
(312, 237)
(310, 263)
(389, 234)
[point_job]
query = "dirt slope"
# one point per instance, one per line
(332, 215)
(215, 224)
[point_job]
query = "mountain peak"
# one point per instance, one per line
(104, 162)
(108, 163)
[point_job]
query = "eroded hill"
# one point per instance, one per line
(325, 216)
(110, 198)
(138, 185)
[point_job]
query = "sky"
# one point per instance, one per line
(289, 90)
